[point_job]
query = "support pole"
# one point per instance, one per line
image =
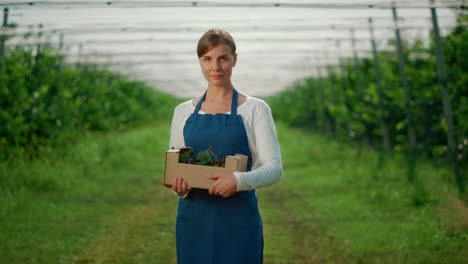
(80, 54)
(447, 108)
(317, 113)
(60, 62)
(378, 82)
(345, 93)
(331, 92)
(61, 42)
(5, 16)
(409, 115)
(3, 38)
(325, 100)
(335, 127)
(359, 88)
(38, 47)
(356, 67)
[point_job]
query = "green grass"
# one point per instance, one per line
(101, 201)
(54, 207)
(374, 215)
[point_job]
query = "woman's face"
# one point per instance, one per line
(217, 65)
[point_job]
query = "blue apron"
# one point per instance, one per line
(211, 229)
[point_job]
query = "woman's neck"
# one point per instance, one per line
(219, 93)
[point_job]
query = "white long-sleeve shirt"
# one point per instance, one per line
(261, 134)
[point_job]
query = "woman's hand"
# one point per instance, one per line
(225, 184)
(180, 186)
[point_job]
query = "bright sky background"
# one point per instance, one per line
(276, 46)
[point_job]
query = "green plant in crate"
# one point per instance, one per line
(205, 158)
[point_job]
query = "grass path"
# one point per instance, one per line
(291, 226)
(141, 233)
(103, 203)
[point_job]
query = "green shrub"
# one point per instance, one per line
(45, 102)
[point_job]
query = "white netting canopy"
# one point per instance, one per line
(279, 43)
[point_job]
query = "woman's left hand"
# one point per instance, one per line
(225, 184)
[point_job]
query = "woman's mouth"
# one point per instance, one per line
(216, 76)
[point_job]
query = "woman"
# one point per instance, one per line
(223, 224)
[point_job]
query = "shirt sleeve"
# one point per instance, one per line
(176, 139)
(268, 153)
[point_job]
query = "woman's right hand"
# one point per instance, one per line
(180, 186)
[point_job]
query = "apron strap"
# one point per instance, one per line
(233, 103)
(197, 108)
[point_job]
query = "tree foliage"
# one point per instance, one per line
(43, 101)
(342, 104)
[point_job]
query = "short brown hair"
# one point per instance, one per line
(213, 38)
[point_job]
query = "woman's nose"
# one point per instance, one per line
(216, 65)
